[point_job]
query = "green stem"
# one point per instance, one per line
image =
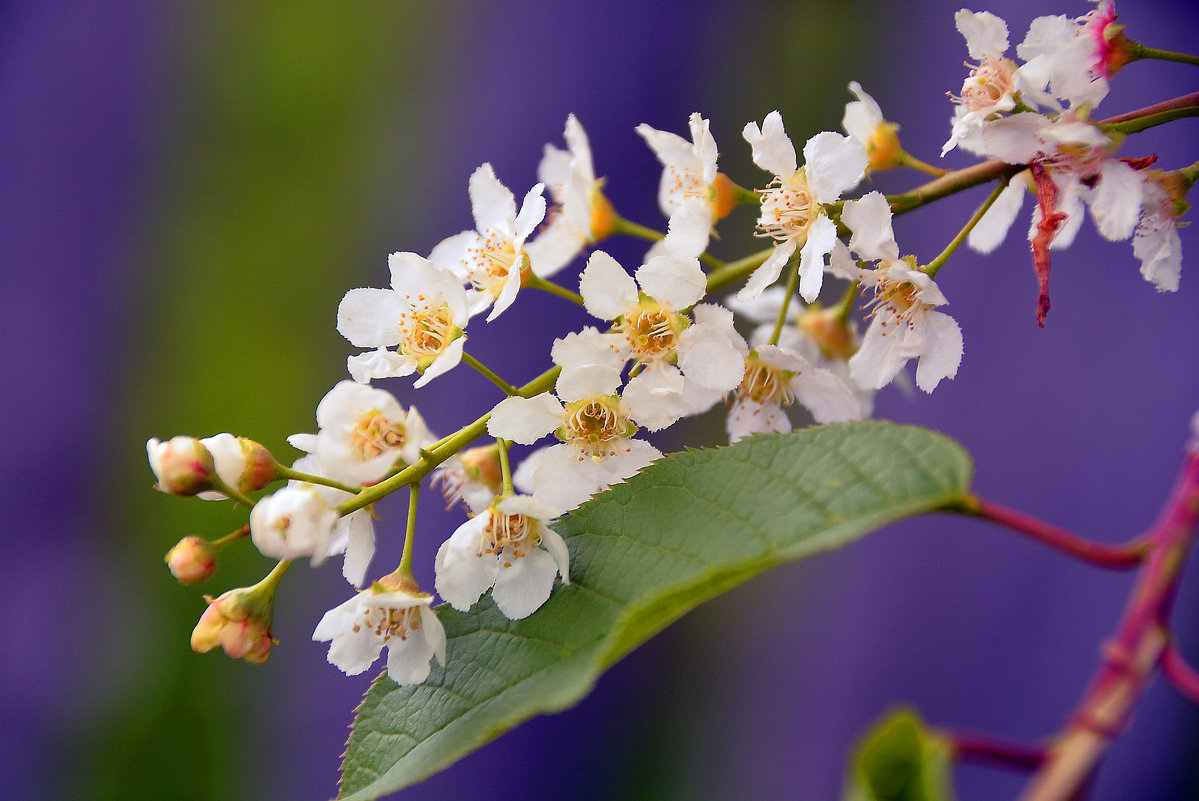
(908, 160)
(936, 264)
(223, 488)
(846, 303)
(781, 320)
(489, 375)
(505, 468)
(736, 270)
(271, 580)
(1164, 55)
(622, 226)
(229, 539)
(295, 475)
(434, 456)
(537, 282)
(405, 567)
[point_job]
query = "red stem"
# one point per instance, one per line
(1181, 675)
(1140, 644)
(985, 748)
(1113, 556)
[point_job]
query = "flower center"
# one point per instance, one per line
(426, 332)
(508, 534)
(375, 435)
(492, 260)
(764, 384)
(788, 209)
(652, 331)
(988, 83)
(901, 297)
(389, 623)
(594, 424)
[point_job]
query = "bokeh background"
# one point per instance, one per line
(186, 191)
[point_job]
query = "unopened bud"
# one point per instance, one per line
(192, 560)
(241, 463)
(182, 465)
(723, 196)
(603, 216)
(883, 149)
(239, 622)
(830, 333)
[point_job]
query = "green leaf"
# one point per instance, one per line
(683, 530)
(900, 760)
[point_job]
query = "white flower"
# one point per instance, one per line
(774, 378)
(352, 534)
(293, 522)
(365, 434)
(471, 476)
(423, 314)
(595, 425)
(653, 331)
(864, 121)
(570, 177)
(903, 321)
(401, 620)
(991, 87)
(492, 256)
(688, 168)
(1156, 243)
(792, 205)
(507, 547)
(1061, 64)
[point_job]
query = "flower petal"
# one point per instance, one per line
(607, 290)
(524, 584)
(525, 420)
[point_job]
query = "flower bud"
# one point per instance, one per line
(239, 622)
(603, 216)
(883, 149)
(182, 465)
(241, 463)
(192, 560)
(723, 196)
(295, 521)
(830, 333)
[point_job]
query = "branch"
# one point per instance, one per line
(1182, 677)
(1113, 556)
(1139, 645)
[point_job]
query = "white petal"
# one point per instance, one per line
(434, 632)
(720, 318)
(986, 34)
(462, 573)
(353, 652)
(707, 357)
(768, 272)
(654, 397)
(862, 116)
(587, 381)
(833, 163)
(607, 290)
(524, 584)
(408, 659)
(991, 230)
(688, 231)
(448, 359)
(772, 148)
(369, 318)
(704, 147)
(532, 212)
(1116, 201)
(941, 351)
(337, 620)
(554, 248)
(507, 294)
(360, 546)
(379, 363)
(491, 203)
(525, 420)
(821, 237)
(556, 546)
(749, 417)
(1017, 139)
(452, 254)
(879, 358)
(677, 283)
(826, 396)
(588, 347)
(869, 219)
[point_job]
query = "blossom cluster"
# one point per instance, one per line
(662, 344)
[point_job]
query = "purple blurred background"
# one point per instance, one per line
(188, 190)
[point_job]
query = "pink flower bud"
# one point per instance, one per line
(240, 622)
(192, 560)
(182, 465)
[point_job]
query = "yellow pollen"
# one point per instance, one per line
(593, 424)
(389, 623)
(987, 84)
(764, 384)
(510, 534)
(651, 331)
(788, 209)
(903, 297)
(492, 260)
(375, 434)
(425, 332)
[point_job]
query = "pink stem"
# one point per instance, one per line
(991, 749)
(1114, 556)
(1181, 676)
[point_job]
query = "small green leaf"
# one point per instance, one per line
(685, 529)
(900, 760)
